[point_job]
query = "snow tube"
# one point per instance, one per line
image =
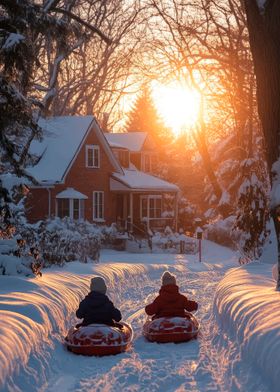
(99, 339)
(171, 329)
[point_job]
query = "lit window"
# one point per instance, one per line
(98, 206)
(92, 156)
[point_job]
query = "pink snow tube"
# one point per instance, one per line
(99, 339)
(171, 329)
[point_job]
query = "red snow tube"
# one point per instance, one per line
(99, 339)
(171, 329)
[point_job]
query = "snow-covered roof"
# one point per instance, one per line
(117, 145)
(133, 141)
(71, 193)
(63, 138)
(137, 180)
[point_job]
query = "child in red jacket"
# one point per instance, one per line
(170, 303)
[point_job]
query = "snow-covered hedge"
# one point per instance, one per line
(62, 240)
(54, 241)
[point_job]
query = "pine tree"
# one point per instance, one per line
(143, 117)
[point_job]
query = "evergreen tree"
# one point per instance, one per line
(30, 32)
(253, 210)
(144, 117)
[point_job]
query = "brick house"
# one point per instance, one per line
(84, 173)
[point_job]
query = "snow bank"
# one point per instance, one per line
(31, 314)
(247, 307)
(35, 314)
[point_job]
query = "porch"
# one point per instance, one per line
(144, 202)
(141, 212)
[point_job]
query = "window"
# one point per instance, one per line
(144, 209)
(63, 208)
(92, 156)
(151, 206)
(98, 206)
(155, 207)
(76, 209)
(73, 208)
(147, 163)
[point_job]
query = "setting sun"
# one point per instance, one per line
(177, 105)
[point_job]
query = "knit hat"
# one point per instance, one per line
(168, 278)
(98, 284)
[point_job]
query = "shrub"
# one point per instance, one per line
(63, 240)
(221, 232)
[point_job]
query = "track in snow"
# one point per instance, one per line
(211, 363)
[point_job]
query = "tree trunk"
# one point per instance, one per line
(264, 34)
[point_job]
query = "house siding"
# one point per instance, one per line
(37, 204)
(135, 158)
(83, 179)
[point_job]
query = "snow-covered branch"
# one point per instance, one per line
(94, 29)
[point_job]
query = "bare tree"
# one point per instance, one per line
(263, 23)
(208, 45)
(96, 76)
(26, 29)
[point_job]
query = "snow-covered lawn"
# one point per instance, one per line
(36, 313)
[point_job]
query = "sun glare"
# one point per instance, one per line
(178, 106)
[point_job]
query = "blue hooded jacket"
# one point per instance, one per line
(96, 308)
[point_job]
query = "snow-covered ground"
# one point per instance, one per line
(247, 307)
(35, 315)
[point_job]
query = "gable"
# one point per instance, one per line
(149, 144)
(63, 139)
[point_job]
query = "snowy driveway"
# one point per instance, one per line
(211, 363)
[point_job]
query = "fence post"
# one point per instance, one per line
(182, 246)
(199, 232)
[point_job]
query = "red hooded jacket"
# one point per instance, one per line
(170, 303)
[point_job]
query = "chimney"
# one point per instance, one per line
(104, 124)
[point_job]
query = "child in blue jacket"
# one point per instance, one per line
(96, 308)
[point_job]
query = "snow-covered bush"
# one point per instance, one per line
(221, 232)
(253, 213)
(62, 240)
(17, 258)
(187, 212)
(174, 242)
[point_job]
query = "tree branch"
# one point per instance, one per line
(82, 22)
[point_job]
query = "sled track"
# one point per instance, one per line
(202, 365)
